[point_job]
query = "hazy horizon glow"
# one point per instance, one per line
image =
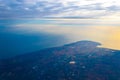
(105, 32)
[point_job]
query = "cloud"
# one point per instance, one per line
(59, 8)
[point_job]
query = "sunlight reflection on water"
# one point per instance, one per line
(106, 32)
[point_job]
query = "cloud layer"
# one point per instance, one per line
(59, 8)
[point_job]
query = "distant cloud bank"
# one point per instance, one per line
(59, 8)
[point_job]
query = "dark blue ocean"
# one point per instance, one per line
(15, 42)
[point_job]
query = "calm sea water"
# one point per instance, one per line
(15, 41)
(20, 36)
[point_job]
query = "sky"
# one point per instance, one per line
(60, 8)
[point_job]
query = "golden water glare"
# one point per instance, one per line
(107, 35)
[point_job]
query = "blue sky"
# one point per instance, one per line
(59, 8)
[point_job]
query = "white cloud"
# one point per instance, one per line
(60, 8)
(27, 8)
(39, 9)
(80, 13)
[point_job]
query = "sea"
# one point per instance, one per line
(23, 36)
